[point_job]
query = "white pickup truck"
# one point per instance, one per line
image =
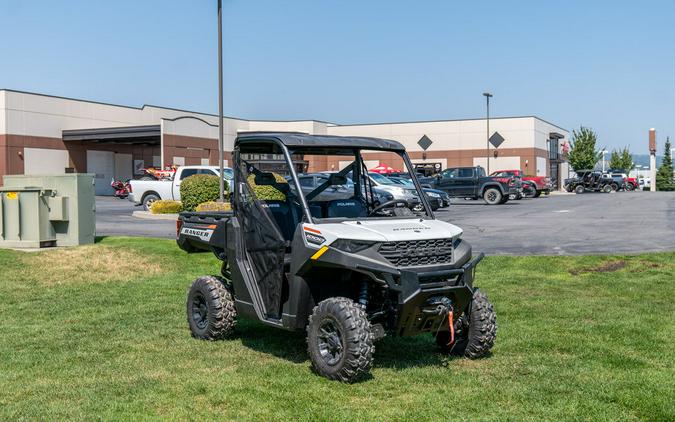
(145, 192)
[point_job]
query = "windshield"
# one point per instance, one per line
(349, 191)
(383, 180)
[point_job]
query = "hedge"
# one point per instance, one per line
(199, 188)
(267, 193)
(214, 207)
(166, 207)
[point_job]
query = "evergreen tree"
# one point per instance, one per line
(582, 154)
(664, 176)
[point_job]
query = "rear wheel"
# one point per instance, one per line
(579, 189)
(537, 193)
(475, 333)
(210, 309)
(607, 188)
(149, 199)
(340, 340)
(529, 191)
(615, 186)
(492, 196)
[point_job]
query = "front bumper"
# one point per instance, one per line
(418, 312)
(416, 288)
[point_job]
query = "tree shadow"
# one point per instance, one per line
(396, 353)
(99, 239)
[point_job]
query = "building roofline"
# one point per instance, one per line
(452, 120)
(272, 120)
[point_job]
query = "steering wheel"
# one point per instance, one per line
(388, 204)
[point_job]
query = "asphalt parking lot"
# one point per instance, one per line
(564, 224)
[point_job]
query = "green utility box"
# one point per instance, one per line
(41, 211)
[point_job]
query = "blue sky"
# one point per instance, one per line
(607, 65)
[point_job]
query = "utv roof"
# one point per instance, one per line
(296, 139)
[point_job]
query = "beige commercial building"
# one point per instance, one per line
(43, 134)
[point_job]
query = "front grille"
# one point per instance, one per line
(411, 253)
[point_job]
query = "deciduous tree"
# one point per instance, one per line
(583, 154)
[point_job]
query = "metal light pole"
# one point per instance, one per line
(220, 102)
(487, 142)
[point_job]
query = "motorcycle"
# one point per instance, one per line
(121, 188)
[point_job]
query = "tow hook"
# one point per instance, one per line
(442, 306)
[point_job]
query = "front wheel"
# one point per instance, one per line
(579, 189)
(630, 187)
(492, 196)
(537, 193)
(475, 332)
(210, 309)
(340, 340)
(608, 189)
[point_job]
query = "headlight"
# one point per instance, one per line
(433, 195)
(352, 246)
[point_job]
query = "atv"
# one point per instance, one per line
(348, 270)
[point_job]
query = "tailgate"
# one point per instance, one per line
(201, 231)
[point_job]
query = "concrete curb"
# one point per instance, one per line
(561, 192)
(149, 216)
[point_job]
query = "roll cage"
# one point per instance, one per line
(288, 144)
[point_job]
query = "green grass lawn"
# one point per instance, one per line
(579, 338)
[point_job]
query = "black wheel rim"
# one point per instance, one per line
(331, 347)
(199, 311)
(492, 196)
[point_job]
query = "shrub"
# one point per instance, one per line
(200, 188)
(268, 193)
(166, 207)
(214, 207)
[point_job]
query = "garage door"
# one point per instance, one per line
(102, 165)
(124, 167)
(40, 161)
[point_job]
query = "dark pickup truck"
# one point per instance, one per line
(471, 182)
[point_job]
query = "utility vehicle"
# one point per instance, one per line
(589, 180)
(345, 270)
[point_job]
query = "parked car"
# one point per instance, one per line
(542, 184)
(398, 191)
(311, 181)
(437, 198)
(471, 182)
(632, 184)
(145, 192)
(619, 179)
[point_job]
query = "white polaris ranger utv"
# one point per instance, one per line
(344, 269)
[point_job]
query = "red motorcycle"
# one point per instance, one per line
(122, 189)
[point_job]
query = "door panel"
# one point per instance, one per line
(102, 165)
(124, 167)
